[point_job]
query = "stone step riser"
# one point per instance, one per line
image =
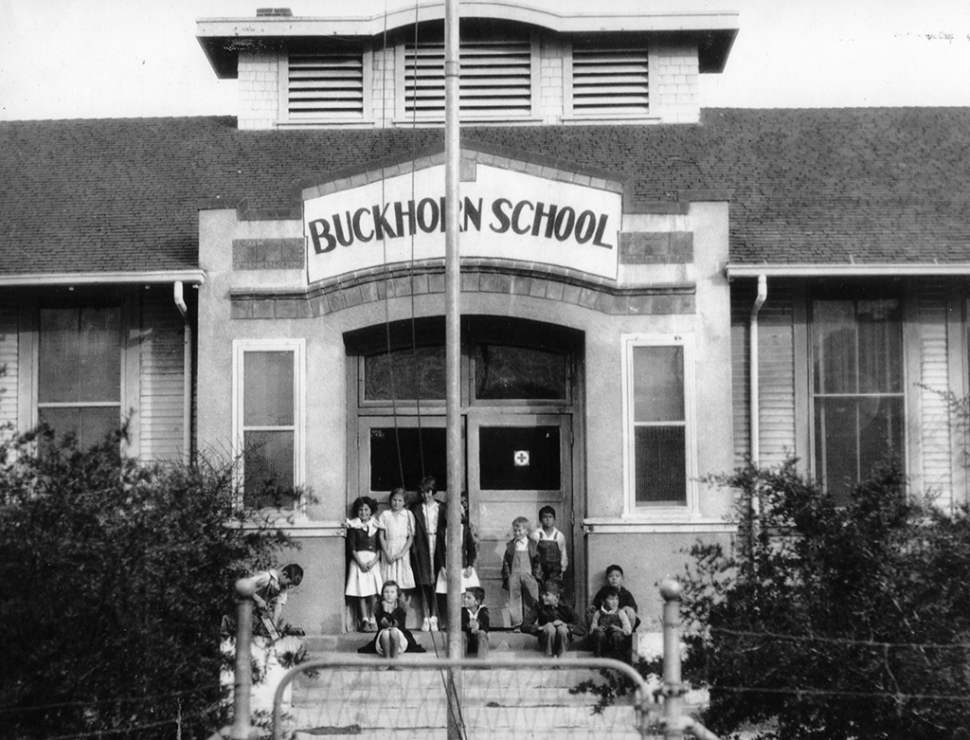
(434, 714)
(409, 678)
(440, 733)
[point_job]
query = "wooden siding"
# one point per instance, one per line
(162, 383)
(9, 350)
(935, 433)
(776, 362)
(742, 298)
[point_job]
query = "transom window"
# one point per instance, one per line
(268, 420)
(658, 409)
(79, 371)
(857, 348)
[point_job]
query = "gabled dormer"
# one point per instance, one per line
(520, 65)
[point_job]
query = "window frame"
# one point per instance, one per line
(367, 90)
(76, 305)
(905, 398)
(690, 509)
(239, 349)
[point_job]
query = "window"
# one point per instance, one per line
(327, 86)
(857, 362)
(79, 371)
(608, 79)
(498, 68)
(658, 409)
(268, 420)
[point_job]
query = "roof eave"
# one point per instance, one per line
(915, 269)
(715, 29)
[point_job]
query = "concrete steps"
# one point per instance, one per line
(409, 701)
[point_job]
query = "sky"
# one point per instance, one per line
(135, 58)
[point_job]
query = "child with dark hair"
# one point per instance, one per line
(393, 637)
(610, 627)
(364, 579)
(474, 622)
(270, 596)
(556, 622)
(428, 549)
(614, 579)
(551, 544)
(520, 574)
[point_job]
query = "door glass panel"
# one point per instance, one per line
(519, 458)
(503, 373)
(407, 374)
(419, 452)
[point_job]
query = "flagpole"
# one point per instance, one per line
(455, 452)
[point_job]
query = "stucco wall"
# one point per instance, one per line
(598, 470)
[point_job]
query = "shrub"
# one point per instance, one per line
(114, 577)
(833, 621)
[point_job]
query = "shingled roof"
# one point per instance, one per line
(822, 186)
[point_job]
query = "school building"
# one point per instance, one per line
(651, 290)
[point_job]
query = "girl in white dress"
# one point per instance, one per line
(396, 536)
(364, 580)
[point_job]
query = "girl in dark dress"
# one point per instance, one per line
(393, 637)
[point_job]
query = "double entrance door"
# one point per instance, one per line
(515, 463)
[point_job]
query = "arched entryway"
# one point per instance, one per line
(520, 405)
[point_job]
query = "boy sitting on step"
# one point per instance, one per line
(556, 622)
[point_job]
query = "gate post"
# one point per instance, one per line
(673, 688)
(242, 728)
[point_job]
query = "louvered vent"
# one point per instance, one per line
(496, 79)
(326, 86)
(610, 81)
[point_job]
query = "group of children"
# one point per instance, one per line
(403, 550)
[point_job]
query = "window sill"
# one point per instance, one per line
(666, 523)
(300, 526)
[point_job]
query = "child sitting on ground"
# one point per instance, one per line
(520, 574)
(474, 622)
(556, 622)
(610, 627)
(551, 545)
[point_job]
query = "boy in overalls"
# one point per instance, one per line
(551, 547)
(520, 574)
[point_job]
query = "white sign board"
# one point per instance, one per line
(503, 215)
